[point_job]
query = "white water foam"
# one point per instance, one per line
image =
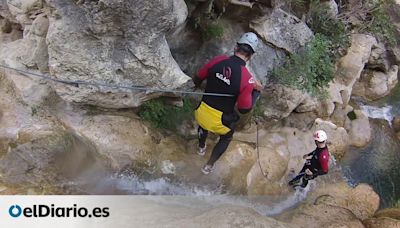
(299, 195)
(161, 186)
(261, 204)
(378, 113)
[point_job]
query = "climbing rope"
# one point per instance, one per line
(76, 83)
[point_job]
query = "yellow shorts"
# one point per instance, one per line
(210, 119)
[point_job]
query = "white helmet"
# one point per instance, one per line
(250, 39)
(320, 136)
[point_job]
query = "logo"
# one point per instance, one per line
(15, 211)
(251, 81)
(41, 210)
(225, 76)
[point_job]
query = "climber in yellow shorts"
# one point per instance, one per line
(226, 75)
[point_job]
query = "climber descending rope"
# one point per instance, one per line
(317, 165)
(320, 170)
(229, 75)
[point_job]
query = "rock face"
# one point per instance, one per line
(114, 138)
(34, 148)
(281, 101)
(335, 205)
(113, 42)
(28, 52)
(360, 130)
(375, 84)
(381, 223)
(229, 217)
(379, 59)
(107, 43)
(31, 51)
(331, 216)
(20, 10)
(273, 166)
(31, 91)
(393, 213)
(350, 68)
(191, 53)
(283, 30)
(43, 146)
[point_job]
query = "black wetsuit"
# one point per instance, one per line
(227, 75)
(318, 164)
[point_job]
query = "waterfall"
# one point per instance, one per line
(378, 113)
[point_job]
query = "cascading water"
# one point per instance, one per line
(129, 183)
(373, 112)
(377, 164)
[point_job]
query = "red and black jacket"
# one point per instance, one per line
(228, 75)
(319, 161)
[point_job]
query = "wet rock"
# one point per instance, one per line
(283, 30)
(360, 130)
(335, 205)
(112, 42)
(122, 140)
(381, 222)
(32, 157)
(181, 156)
(235, 165)
(37, 151)
(273, 166)
(362, 201)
